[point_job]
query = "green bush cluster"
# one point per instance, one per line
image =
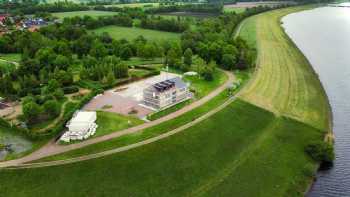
(320, 151)
(70, 89)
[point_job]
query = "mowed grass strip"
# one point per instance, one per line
(242, 150)
(285, 82)
(92, 13)
(130, 33)
(109, 122)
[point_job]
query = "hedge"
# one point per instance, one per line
(70, 89)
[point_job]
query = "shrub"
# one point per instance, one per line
(4, 123)
(320, 151)
(70, 89)
(58, 94)
(52, 108)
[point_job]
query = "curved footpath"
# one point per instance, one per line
(53, 149)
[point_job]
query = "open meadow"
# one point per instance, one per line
(241, 153)
(92, 13)
(130, 33)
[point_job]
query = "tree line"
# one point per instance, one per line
(203, 8)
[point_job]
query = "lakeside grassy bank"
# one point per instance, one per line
(284, 83)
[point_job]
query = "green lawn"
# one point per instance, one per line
(242, 150)
(109, 122)
(167, 111)
(13, 57)
(237, 10)
(202, 87)
(285, 83)
(92, 13)
(130, 33)
(134, 5)
(134, 61)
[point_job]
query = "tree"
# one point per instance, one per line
(31, 111)
(58, 93)
(46, 56)
(208, 71)
(53, 85)
(61, 62)
(52, 108)
(110, 78)
(188, 57)
(228, 61)
(125, 52)
(98, 50)
(172, 58)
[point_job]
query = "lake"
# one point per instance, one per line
(323, 35)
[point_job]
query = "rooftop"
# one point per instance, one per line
(168, 84)
(84, 116)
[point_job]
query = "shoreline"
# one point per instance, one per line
(329, 135)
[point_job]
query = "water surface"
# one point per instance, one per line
(323, 35)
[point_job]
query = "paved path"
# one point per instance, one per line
(53, 149)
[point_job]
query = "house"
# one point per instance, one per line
(3, 17)
(33, 22)
(165, 93)
(80, 127)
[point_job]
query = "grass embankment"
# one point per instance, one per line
(92, 13)
(285, 83)
(242, 150)
(130, 33)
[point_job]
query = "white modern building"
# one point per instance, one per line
(166, 93)
(80, 127)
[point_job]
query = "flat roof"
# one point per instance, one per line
(84, 116)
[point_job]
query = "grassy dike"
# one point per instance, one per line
(243, 150)
(285, 83)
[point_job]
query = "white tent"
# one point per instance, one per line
(81, 126)
(82, 122)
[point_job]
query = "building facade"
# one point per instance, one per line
(166, 93)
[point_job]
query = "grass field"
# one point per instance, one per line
(129, 33)
(202, 87)
(110, 122)
(226, 154)
(169, 110)
(134, 61)
(92, 13)
(237, 10)
(134, 5)
(285, 82)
